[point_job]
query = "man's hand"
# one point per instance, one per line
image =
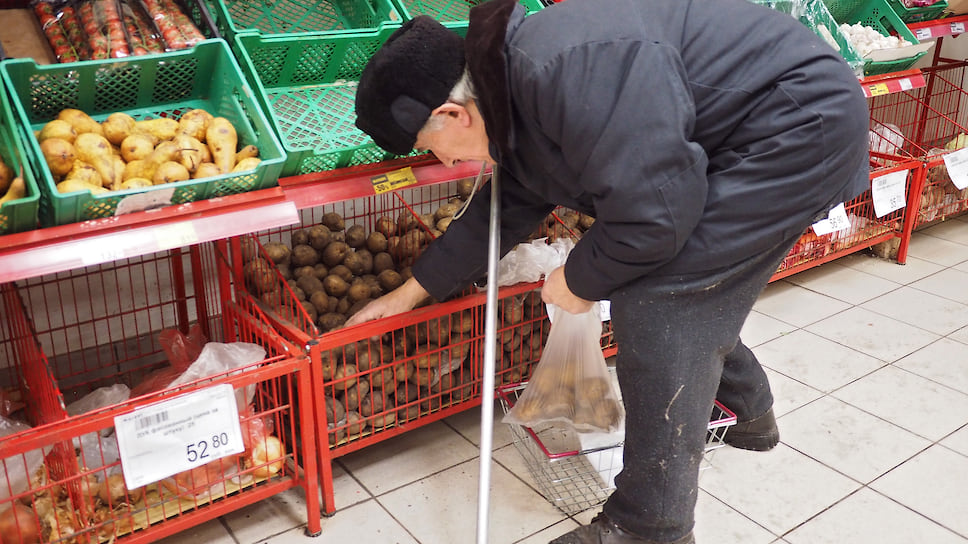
(402, 299)
(555, 291)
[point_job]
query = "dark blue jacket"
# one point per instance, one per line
(697, 132)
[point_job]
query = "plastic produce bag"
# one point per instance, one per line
(571, 383)
(18, 469)
(530, 262)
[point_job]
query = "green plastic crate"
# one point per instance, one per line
(879, 15)
(840, 10)
(307, 86)
(234, 17)
(815, 16)
(21, 214)
(451, 13)
(162, 85)
(918, 14)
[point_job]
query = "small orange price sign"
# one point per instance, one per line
(878, 89)
(392, 181)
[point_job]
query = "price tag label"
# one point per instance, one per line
(957, 28)
(957, 164)
(178, 434)
(176, 235)
(392, 181)
(836, 221)
(923, 34)
(905, 84)
(887, 191)
(878, 89)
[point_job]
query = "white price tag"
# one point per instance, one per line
(887, 191)
(836, 221)
(957, 164)
(905, 84)
(178, 434)
(176, 235)
(957, 28)
(923, 34)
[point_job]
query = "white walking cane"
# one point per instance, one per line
(490, 344)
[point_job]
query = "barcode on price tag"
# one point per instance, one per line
(957, 164)
(836, 221)
(887, 192)
(178, 434)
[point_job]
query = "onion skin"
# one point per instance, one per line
(18, 525)
(271, 451)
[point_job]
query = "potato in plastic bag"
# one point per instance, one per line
(571, 382)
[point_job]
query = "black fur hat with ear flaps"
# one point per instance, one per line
(411, 75)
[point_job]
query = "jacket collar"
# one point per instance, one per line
(485, 47)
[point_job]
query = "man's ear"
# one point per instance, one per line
(454, 110)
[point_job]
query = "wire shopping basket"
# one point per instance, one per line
(575, 474)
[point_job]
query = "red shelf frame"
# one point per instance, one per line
(892, 83)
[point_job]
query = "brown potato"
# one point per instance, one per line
(385, 226)
(376, 242)
(335, 285)
(303, 255)
(331, 321)
(382, 261)
(354, 263)
(389, 280)
(278, 252)
(319, 236)
(342, 271)
(334, 253)
(355, 236)
(333, 221)
(260, 276)
(310, 284)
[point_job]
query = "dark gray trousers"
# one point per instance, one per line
(678, 349)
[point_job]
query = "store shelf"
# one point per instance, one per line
(311, 190)
(939, 28)
(892, 83)
(55, 249)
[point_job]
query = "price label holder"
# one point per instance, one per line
(957, 27)
(887, 192)
(923, 33)
(178, 434)
(392, 181)
(957, 164)
(836, 221)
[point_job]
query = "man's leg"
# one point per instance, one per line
(745, 390)
(673, 334)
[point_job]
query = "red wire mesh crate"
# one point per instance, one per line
(865, 228)
(927, 123)
(105, 337)
(385, 377)
(575, 474)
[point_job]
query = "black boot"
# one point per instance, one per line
(760, 434)
(603, 531)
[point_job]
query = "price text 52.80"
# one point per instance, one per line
(203, 448)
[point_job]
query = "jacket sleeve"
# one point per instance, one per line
(451, 262)
(622, 115)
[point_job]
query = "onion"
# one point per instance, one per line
(113, 491)
(18, 525)
(269, 450)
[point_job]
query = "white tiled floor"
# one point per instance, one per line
(869, 365)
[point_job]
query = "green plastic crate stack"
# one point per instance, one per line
(307, 86)
(879, 15)
(206, 76)
(815, 15)
(20, 214)
(452, 13)
(271, 17)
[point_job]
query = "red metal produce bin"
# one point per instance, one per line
(928, 123)
(97, 329)
(385, 377)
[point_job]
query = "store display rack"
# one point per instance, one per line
(199, 246)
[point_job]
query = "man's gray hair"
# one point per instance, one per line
(462, 93)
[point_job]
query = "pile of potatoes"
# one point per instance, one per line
(378, 382)
(12, 185)
(521, 336)
(122, 153)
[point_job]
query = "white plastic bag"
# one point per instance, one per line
(217, 358)
(17, 469)
(571, 383)
(531, 262)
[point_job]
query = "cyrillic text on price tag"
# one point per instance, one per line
(923, 34)
(957, 164)
(836, 221)
(392, 181)
(887, 191)
(178, 434)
